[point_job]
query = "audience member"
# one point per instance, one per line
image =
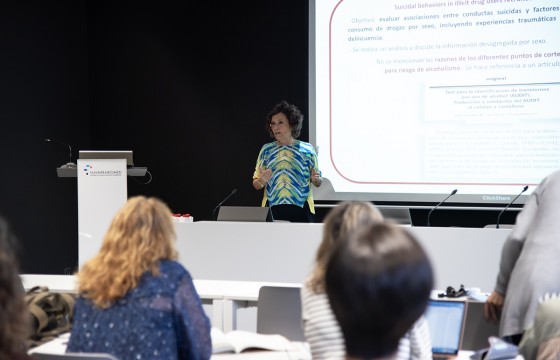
(529, 262)
(135, 300)
(15, 323)
(378, 283)
(541, 341)
(320, 326)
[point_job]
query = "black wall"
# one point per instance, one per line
(43, 94)
(185, 86)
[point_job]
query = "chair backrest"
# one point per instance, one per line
(73, 356)
(279, 312)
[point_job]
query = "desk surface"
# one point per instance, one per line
(302, 352)
(207, 289)
(58, 346)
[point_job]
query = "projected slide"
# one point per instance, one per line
(423, 96)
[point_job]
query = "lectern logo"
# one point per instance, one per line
(88, 170)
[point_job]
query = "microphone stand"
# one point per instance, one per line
(431, 211)
(214, 215)
(501, 212)
(70, 164)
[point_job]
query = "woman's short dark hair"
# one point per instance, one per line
(378, 283)
(295, 117)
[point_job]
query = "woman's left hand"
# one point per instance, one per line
(316, 178)
(493, 307)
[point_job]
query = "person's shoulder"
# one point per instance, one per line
(305, 145)
(172, 267)
(310, 296)
(268, 145)
(552, 178)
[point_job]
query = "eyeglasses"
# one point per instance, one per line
(280, 123)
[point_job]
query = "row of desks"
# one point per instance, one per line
(225, 297)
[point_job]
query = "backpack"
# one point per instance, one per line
(51, 313)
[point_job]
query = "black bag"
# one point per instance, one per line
(51, 314)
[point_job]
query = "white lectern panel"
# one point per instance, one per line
(102, 191)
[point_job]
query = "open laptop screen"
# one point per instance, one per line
(446, 320)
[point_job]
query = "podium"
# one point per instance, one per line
(102, 191)
(73, 172)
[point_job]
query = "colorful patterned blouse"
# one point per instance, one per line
(291, 173)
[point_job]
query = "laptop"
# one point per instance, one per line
(446, 321)
(245, 213)
(108, 154)
(477, 329)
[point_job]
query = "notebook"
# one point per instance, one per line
(446, 321)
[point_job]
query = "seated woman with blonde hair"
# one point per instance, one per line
(135, 300)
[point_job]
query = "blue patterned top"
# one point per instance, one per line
(162, 318)
(291, 173)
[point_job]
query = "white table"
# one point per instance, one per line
(230, 261)
(58, 346)
(285, 252)
(225, 297)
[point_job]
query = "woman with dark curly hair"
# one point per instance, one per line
(15, 322)
(287, 167)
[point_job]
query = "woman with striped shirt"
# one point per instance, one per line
(320, 326)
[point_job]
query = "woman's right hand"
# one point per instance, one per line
(266, 174)
(493, 307)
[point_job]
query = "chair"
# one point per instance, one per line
(73, 356)
(279, 312)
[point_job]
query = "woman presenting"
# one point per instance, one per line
(287, 167)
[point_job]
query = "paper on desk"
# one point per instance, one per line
(482, 297)
(55, 346)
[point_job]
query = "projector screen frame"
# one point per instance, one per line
(469, 199)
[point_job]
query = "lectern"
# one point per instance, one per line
(102, 191)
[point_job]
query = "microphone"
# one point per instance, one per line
(512, 201)
(444, 200)
(233, 192)
(70, 164)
